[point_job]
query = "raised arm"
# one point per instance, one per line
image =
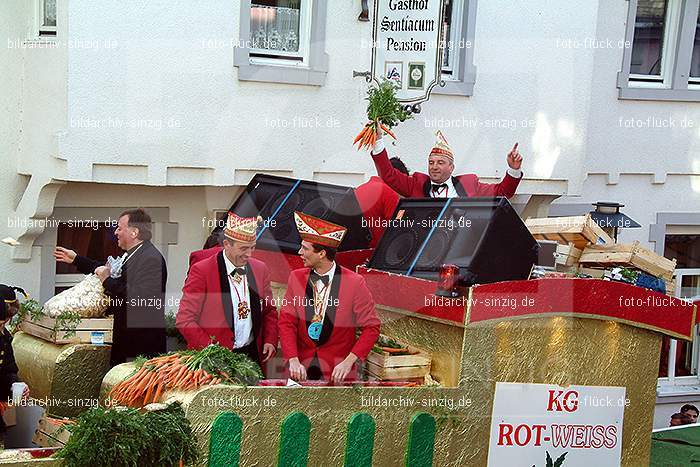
(399, 182)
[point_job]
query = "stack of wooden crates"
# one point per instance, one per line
(584, 247)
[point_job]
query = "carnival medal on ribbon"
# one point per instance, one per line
(315, 330)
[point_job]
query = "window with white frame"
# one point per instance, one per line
(452, 20)
(695, 60)
(46, 18)
(280, 29)
(458, 70)
(661, 59)
(282, 41)
(678, 369)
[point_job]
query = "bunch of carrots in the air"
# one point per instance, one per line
(185, 370)
(384, 112)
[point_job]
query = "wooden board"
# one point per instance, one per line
(628, 255)
(577, 230)
(567, 255)
(88, 331)
(397, 373)
(387, 360)
(50, 434)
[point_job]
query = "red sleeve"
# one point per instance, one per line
(366, 319)
(506, 187)
(269, 312)
(400, 182)
(390, 200)
(289, 321)
(191, 305)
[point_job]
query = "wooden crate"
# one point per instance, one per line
(89, 331)
(387, 367)
(631, 255)
(670, 286)
(50, 433)
(567, 255)
(577, 230)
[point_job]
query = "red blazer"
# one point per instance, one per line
(206, 308)
(378, 202)
(418, 184)
(351, 306)
(199, 255)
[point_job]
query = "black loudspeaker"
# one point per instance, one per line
(484, 237)
(276, 199)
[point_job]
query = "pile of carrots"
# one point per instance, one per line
(369, 134)
(156, 376)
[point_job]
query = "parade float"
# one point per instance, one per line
(576, 338)
(562, 368)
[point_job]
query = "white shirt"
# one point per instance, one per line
(450, 192)
(243, 334)
(320, 291)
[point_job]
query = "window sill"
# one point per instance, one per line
(41, 40)
(665, 390)
(279, 73)
(455, 87)
(658, 94)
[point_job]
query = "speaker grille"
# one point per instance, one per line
(483, 236)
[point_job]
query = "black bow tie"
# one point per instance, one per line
(239, 271)
(440, 187)
(316, 277)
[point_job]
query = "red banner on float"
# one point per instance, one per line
(587, 298)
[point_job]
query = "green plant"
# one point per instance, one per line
(384, 106)
(125, 437)
(28, 308)
(171, 329)
(217, 360)
(68, 321)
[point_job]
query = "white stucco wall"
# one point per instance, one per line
(163, 70)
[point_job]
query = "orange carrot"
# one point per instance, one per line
(359, 135)
(387, 130)
(159, 389)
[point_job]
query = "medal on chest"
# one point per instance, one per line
(243, 310)
(243, 307)
(320, 299)
(315, 329)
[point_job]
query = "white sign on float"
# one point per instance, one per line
(576, 426)
(408, 46)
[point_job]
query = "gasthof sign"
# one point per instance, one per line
(407, 37)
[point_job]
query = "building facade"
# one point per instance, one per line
(174, 106)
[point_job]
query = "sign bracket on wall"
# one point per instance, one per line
(407, 48)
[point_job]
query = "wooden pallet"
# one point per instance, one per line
(89, 331)
(577, 230)
(49, 433)
(384, 366)
(631, 255)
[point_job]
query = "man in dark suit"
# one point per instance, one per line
(227, 297)
(137, 292)
(439, 181)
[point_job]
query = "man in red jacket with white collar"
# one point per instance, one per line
(439, 182)
(325, 303)
(227, 297)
